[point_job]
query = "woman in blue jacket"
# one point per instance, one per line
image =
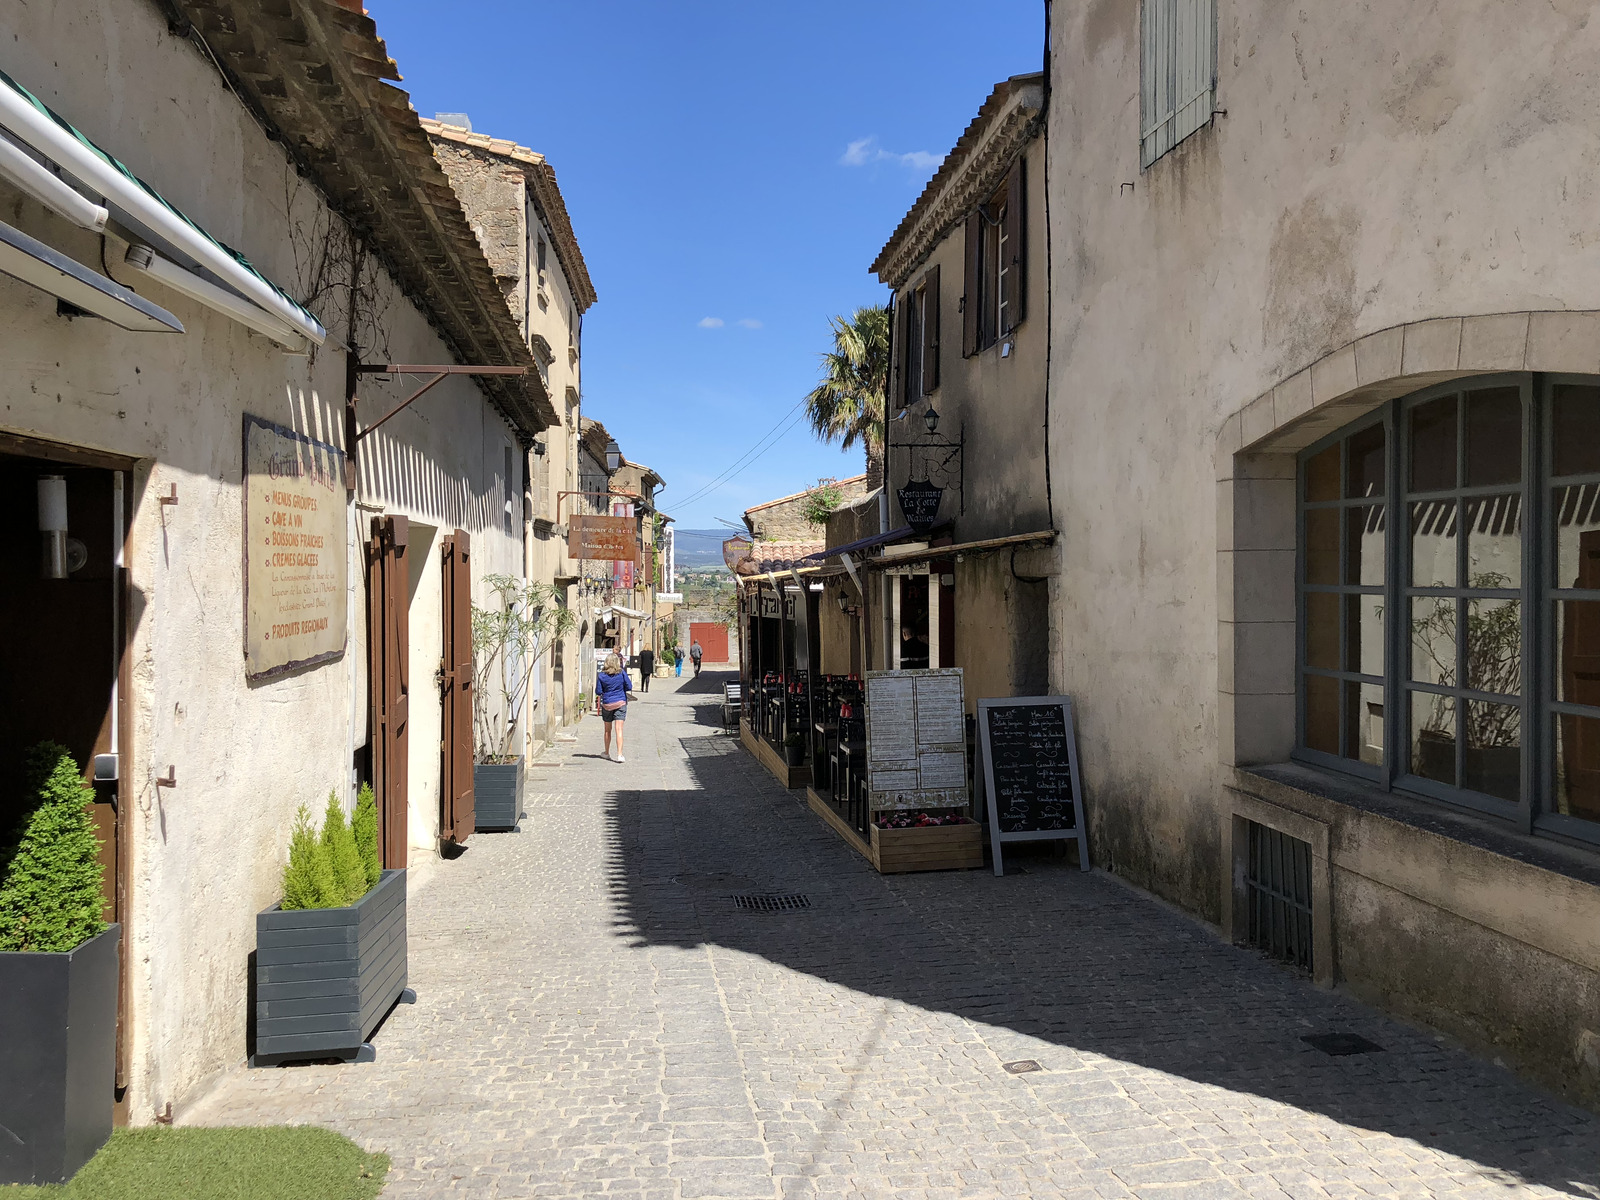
(612, 690)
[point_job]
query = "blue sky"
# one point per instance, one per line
(739, 163)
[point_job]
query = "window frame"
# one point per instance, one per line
(1538, 593)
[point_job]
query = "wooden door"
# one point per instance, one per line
(456, 816)
(388, 682)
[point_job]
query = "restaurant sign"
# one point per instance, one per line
(609, 539)
(916, 739)
(296, 567)
(919, 502)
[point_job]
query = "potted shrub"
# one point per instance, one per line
(331, 955)
(58, 980)
(508, 640)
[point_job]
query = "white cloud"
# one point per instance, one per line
(750, 323)
(711, 322)
(866, 151)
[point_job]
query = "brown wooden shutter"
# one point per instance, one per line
(971, 288)
(930, 331)
(457, 816)
(1015, 231)
(902, 335)
(388, 670)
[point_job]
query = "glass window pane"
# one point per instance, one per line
(1322, 474)
(1433, 543)
(1364, 473)
(1575, 429)
(1433, 737)
(1494, 646)
(1364, 634)
(1322, 545)
(1575, 512)
(1322, 630)
(1577, 659)
(1433, 640)
(1494, 750)
(1577, 768)
(1363, 532)
(1494, 436)
(1364, 722)
(1322, 714)
(1494, 541)
(1433, 445)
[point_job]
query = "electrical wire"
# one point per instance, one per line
(749, 457)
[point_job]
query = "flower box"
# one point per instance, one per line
(928, 848)
(497, 795)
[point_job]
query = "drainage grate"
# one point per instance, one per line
(772, 903)
(1025, 1067)
(1340, 1044)
(1278, 887)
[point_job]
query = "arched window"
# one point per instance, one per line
(1449, 598)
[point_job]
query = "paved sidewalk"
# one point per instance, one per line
(597, 1017)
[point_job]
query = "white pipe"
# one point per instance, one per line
(48, 190)
(142, 258)
(19, 114)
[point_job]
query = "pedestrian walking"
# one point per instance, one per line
(647, 668)
(677, 661)
(696, 654)
(612, 691)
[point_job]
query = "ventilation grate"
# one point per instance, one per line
(1278, 887)
(769, 902)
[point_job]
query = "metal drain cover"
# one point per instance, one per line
(770, 902)
(1339, 1045)
(1024, 1067)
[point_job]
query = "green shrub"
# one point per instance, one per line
(349, 876)
(50, 871)
(307, 876)
(365, 827)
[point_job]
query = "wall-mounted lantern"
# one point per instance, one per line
(613, 455)
(931, 420)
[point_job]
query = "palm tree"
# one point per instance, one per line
(848, 404)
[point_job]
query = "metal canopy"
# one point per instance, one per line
(36, 264)
(866, 543)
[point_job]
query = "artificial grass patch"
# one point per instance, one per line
(297, 1162)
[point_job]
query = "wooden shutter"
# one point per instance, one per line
(971, 287)
(457, 816)
(388, 670)
(902, 335)
(1016, 225)
(930, 331)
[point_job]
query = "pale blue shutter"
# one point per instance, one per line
(1177, 72)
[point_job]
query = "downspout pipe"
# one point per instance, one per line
(36, 125)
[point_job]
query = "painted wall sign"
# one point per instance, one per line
(919, 502)
(916, 739)
(1029, 748)
(296, 566)
(607, 539)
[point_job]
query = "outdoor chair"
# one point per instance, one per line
(730, 707)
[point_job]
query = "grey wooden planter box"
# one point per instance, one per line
(497, 795)
(58, 1058)
(326, 977)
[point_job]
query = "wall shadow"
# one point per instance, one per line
(1073, 959)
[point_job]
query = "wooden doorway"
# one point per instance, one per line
(457, 817)
(388, 682)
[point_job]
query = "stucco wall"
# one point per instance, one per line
(206, 855)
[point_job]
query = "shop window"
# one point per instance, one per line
(1449, 598)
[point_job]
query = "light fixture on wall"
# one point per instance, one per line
(613, 455)
(931, 419)
(538, 449)
(60, 555)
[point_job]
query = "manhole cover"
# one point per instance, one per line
(772, 903)
(1025, 1067)
(1340, 1044)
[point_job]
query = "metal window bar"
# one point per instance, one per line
(1278, 886)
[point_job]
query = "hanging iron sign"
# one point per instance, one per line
(919, 502)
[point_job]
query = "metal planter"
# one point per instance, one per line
(326, 977)
(58, 1058)
(497, 795)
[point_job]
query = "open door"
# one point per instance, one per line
(388, 656)
(456, 816)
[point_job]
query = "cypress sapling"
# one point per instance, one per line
(300, 888)
(51, 875)
(364, 825)
(349, 876)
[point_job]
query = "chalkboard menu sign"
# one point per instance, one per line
(1030, 772)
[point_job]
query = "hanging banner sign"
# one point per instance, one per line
(609, 539)
(919, 502)
(296, 568)
(735, 550)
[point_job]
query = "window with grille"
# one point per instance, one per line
(1177, 72)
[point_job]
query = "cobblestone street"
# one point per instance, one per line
(595, 1016)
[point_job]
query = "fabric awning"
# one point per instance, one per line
(620, 611)
(34, 263)
(856, 547)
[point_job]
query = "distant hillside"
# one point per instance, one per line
(701, 547)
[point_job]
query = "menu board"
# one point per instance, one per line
(916, 740)
(296, 567)
(1030, 772)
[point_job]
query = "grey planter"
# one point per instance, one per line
(326, 977)
(58, 1058)
(497, 795)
